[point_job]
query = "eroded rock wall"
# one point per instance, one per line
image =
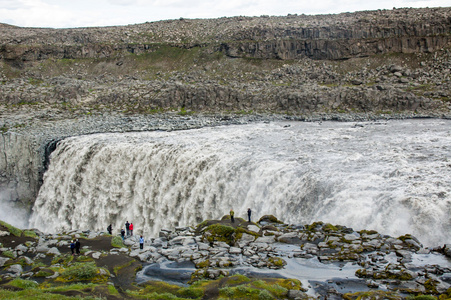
(20, 167)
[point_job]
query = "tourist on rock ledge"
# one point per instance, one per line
(232, 213)
(110, 229)
(249, 214)
(77, 247)
(123, 233)
(131, 228)
(72, 247)
(127, 227)
(141, 242)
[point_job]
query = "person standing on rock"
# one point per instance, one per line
(131, 228)
(77, 247)
(141, 242)
(232, 213)
(72, 247)
(110, 229)
(249, 214)
(123, 234)
(127, 227)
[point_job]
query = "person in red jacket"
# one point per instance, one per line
(131, 228)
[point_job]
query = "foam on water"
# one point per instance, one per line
(392, 177)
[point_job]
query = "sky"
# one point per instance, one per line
(88, 13)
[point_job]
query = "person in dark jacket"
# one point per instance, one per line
(77, 247)
(127, 227)
(249, 214)
(110, 229)
(123, 234)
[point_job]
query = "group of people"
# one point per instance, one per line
(75, 247)
(232, 215)
(129, 228)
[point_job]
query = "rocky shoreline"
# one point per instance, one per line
(369, 262)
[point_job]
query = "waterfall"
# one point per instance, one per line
(393, 177)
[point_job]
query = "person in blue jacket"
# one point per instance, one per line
(141, 242)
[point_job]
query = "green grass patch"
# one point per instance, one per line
(63, 260)
(112, 290)
(423, 297)
(35, 294)
(157, 290)
(23, 283)
(30, 233)
(43, 273)
(329, 227)
(13, 230)
(118, 268)
(80, 272)
(220, 233)
(244, 292)
(117, 242)
(376, 294)
(8, 253)
(71, 287)
(83, 258)
(238, 279)
(276, 262)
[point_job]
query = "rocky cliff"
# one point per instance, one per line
(374, 61)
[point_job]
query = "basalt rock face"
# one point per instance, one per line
(218, 64)
(339, 36)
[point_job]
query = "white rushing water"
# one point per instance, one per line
(392, 177)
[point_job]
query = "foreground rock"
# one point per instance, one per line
(219, 248)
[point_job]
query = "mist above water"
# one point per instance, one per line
(392, 177)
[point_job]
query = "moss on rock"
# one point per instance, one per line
(269, 219)
(220, 233)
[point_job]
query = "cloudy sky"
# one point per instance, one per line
(83, 13)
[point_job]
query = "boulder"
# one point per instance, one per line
(266, 239)
(53, 251)
(447, 250)
(3, 260)
(290, 238)
(352, 236)
(4, 233)
(14, 270)
(235, 250)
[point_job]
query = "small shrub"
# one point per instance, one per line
(62, 259)
(80, 271)
(23, 283)
(265, 295)
(329, 227)
(117, 242)
(112, 290)
(203, 264)
(276, 262)
(190, 292)
(8, 253)
(83, 258)
(43, 273)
